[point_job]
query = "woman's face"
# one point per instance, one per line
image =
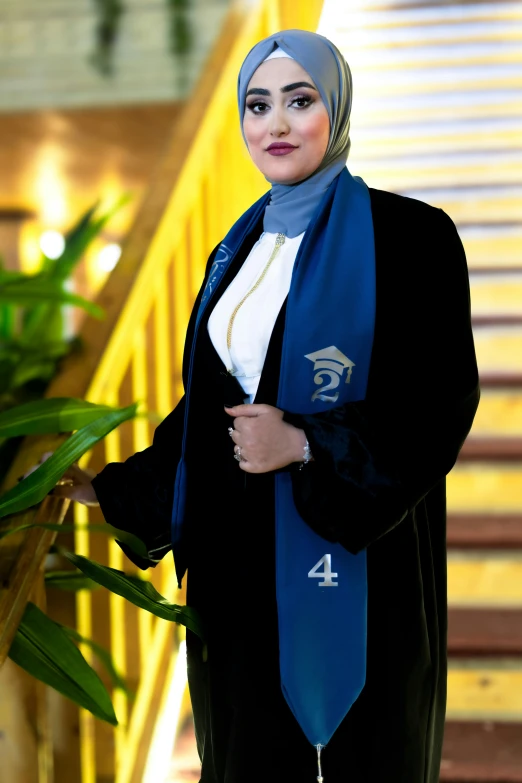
(286, 124)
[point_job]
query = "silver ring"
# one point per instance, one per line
(230, 431)
(237, 453)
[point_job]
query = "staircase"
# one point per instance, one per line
(437, 115)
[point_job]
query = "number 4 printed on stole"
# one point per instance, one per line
(326, 575)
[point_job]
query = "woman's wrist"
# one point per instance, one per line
(304, 452)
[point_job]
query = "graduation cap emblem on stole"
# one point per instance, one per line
(329, 363)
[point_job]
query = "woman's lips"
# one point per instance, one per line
(280, 149)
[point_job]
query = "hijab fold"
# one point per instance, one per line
(291, 207)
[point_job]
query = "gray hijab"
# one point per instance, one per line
(291, 206)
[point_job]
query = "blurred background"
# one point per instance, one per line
(121, 167)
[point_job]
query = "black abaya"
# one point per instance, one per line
(377, 482)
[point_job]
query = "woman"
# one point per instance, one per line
(334, 325)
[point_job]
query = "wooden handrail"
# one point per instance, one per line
(22, 555)
(204, 181)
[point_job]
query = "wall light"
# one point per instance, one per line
(108, 257)
(52, 243)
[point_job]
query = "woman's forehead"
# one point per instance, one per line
(278, 73)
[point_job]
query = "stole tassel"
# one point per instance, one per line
(320, 778)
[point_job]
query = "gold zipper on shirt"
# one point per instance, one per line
(280, 240)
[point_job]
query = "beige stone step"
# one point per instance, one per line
(468, 53)
(499, 348)
(485, 690)
(380, 145)
(499, 413)
(433, 108)
(404, 173)
(493, 294)
(488, 246)
(475, 206)
(348, 32)
(455, 79)
(485, 578)
(483, 488)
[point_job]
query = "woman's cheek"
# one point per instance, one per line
(316, 130)
(254, 133)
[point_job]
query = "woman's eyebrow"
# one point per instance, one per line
(257, 91)
(286, 88)
(295, 85)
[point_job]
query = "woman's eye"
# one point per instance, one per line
(258, 107)
(301, 101)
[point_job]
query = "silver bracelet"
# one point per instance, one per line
(307, 455)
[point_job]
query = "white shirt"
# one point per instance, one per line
(255, 319)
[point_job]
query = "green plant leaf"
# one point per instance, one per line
(132, 541)
(31, 368)
(69, 580)
(7, 322)
(55, 414)
(104, 657)
(138, 591)
(78, 239)
(35, 487)
(38, 289)
(44, 649)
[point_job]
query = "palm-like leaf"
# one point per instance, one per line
(55, 414)
(46, 651)
(138, 592)
(133, 542)
(35, 487)
(71, 581)
(104, 657)
(38, 289)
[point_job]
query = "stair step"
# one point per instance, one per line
(478, 136)
(404, 172)
(387, 15)
(507, 319)
(496, 298)
(417, 35)
(485, 531)
(491, 449)
(485, 689)
(434, 108)
(484, 632)
(482, 752)
(484, 489)
(485, 579)
(499, 413)
(501, 380)
(476, 205)
(499, 348)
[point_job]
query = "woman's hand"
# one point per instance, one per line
(266, 441)
(75, 483)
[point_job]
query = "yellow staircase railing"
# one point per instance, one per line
(203, 184)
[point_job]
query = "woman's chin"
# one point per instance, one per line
(278, 176)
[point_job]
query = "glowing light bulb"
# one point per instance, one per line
(52, 243)
(108, 257)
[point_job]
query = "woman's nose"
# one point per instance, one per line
(278, 124)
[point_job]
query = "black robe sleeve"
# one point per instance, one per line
(137, 495)
(376, 459)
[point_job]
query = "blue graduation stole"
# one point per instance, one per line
(327, 344)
